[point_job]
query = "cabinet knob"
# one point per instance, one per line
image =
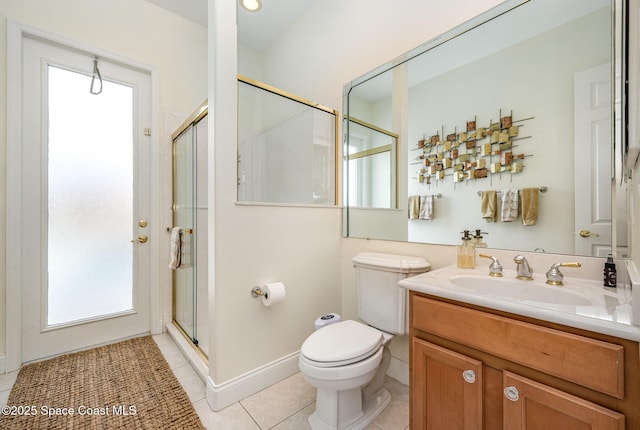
(512, 393)
(469, 376)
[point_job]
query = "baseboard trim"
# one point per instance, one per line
(399, 370)
(220, 396)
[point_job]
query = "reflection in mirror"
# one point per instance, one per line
(546, 66)
(286, 147)
(372, 165)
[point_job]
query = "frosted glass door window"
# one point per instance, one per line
(90, 198)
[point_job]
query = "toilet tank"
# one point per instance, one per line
(381, 302)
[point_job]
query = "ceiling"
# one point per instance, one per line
(255, 29)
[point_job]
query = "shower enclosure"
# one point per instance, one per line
(189, 210)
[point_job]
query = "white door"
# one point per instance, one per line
(85, 178)
(593, 173)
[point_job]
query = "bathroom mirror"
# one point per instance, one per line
(553, 70)
(373, 165)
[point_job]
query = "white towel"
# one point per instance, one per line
(426, 207)
(509, 210)
(176, 247)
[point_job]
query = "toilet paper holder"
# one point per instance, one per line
(257, 292)
(270, 294)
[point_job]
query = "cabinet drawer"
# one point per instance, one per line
(591, 363)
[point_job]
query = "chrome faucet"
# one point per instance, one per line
(525, 271)
(554, 276)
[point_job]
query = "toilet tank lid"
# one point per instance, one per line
(391, 262)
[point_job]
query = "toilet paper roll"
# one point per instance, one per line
(274, 293)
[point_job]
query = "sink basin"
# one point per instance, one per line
(530, 291)
(580, 302)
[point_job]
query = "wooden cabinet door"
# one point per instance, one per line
(533, 406)
(446, 389)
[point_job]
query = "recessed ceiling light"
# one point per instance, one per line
(251, 5)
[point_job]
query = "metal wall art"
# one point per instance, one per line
(474, 153)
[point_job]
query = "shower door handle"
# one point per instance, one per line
(140, 239)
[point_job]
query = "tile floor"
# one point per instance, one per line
(283, 406)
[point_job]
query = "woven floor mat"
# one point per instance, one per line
(127, 385)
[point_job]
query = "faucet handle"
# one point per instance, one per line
(554, 276)
(495, 268)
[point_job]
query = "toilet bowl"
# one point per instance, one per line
(347, 361)
(340, 360)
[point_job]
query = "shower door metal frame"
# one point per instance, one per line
(191, 121)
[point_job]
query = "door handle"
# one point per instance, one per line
(587, 233)
(140, 239)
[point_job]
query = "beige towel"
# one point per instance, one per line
(414, 207)
(510, 205)
(176, 247)
(530, 205)
(489, 206)
(426, 207)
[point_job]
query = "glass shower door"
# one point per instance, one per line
(184, 215)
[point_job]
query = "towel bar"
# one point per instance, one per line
(186, 230)
(542, 189)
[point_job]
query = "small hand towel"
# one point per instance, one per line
(414, 207)
(176, 247)
(530, 205)
(510, 205)
(489, 206)
(426, 207)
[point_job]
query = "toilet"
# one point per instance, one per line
(346, 361)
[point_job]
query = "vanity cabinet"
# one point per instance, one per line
(476, 368)
(450, 388)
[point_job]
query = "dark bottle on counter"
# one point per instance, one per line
(610, 275)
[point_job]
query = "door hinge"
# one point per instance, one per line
(147, 132)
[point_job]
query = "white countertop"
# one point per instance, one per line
(604, 315)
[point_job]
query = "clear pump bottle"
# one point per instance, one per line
(466, 252)
(478, 241)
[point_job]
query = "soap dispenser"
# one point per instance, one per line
(478, 241)
(466, 252)
(610, 275)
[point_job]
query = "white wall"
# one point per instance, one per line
(333, 43)
(255, 244)
(338, 41)
(132, 29)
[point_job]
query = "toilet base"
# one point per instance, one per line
(371, 408)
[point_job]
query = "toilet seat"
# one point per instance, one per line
(341, 344)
